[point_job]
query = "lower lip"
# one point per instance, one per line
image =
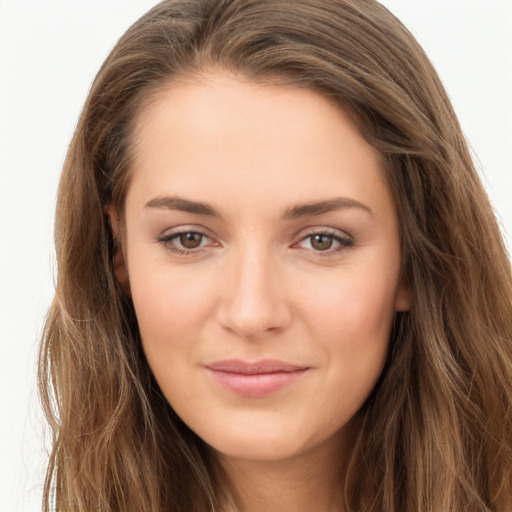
(257, 385)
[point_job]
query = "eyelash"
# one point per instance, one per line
(167, 241)
(344, 242)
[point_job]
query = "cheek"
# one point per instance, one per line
(351, 319)
(170, 311)
(170, 306)
(356, 306)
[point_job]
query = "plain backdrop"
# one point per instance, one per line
(49, 53)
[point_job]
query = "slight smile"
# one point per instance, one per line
(256, 379)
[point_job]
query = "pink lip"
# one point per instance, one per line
(255, 379)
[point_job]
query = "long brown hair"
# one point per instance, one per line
(437, 430)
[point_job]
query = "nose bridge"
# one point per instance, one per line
(254, 303)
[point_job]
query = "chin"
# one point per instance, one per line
(259, 448)
(271, 443)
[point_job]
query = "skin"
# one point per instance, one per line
(259, 285)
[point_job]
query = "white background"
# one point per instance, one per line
(49, 53)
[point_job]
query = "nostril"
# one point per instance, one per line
(255, 326)
(253, 303)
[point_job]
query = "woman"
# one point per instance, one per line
(281, 285)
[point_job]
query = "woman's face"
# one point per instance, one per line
(263, 254)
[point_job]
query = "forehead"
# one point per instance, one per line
(220, 101)
(218, 132)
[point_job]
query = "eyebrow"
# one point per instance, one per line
(184, 205)
(298, 211)
(321, 207)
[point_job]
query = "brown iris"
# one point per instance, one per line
(321, 242)
(191, 240)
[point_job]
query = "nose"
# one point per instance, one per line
(254, 303)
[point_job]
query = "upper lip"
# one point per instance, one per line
(254, 368)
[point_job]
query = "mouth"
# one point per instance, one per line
(258, 379)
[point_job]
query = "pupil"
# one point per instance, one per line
(321, 242)
(191, 240)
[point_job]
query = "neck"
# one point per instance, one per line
(310, 481)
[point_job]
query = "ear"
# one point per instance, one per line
(403, 300)
(118, 262)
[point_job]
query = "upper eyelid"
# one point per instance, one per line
(178, 230)
(170, 239)
(320, 230)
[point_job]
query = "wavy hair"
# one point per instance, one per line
(436, 431)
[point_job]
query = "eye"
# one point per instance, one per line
(325, 242)
(190, 240)
(321, 242)
(185, 242)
